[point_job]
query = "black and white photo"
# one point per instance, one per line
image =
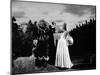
(52, 37)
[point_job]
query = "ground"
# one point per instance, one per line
(27, 65)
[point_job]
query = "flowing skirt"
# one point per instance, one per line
(62, 55)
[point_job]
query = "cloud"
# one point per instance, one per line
(45, 13)
(79, 10)
(18, 14)
(93, 10)
(59, 21)
(69, 13)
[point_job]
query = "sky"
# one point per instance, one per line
(60, 13)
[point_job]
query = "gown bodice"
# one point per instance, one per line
(69, 40)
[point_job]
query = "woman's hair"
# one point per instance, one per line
(65, 26)
(65, 30)
(65, 34)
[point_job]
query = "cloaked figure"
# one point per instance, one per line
(63, 59)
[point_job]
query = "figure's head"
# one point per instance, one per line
(42, 23)
(61, 27)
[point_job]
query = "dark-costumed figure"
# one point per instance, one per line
(41, 51)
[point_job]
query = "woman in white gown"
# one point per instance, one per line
(62, 54)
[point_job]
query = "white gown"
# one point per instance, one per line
(62, 55)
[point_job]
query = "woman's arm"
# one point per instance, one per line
(69, 40)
